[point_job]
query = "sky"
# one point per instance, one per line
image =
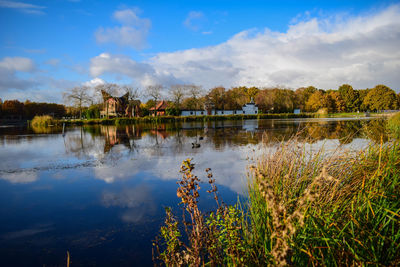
(48, 47)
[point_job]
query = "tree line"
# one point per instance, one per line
(84, 101)
(14, 109)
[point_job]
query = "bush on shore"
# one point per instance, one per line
(43, 121)
(304, 208)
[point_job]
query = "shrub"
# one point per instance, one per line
(43, 121)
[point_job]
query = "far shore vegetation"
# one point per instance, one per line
(303, 208)
(86, 103)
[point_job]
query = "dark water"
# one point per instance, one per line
(100, 191)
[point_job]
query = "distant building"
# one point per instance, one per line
(119, 106)
(193, 112)
(297, 111)
(249, 108)
(159, 109)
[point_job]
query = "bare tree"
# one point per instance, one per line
(133, 92)
(110, 88)
(177, 92)
(195, 93)
(78, 96)
(154, 91)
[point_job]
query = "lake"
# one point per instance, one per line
(99, 192)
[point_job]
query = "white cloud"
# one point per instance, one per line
(362, 51)
(17, 64)
(132, 32)
(142, 73)
(23, 7)
(193, 20)
(9, 67)
(94, 82)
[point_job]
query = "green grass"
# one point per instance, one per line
(304, 208)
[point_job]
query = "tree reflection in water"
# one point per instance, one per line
(220, 134)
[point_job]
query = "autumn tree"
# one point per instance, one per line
(338, 103)
(315, 101)
(78, 96)
(217, 96)
(381, 97)
(239, 95)
(13, 108)
(276, 100)
(302, 95)
(251, 92)
(32, 109)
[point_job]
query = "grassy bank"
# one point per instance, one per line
(319, 208)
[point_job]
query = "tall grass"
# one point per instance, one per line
(304, 208)
(394, 125)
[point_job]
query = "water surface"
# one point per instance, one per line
(100, 191)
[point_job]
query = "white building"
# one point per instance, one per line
(249, 108)
(193, 112)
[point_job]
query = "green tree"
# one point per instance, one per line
(381, 97)
(362, 93)
(350, 97)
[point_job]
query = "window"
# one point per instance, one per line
(234, 112)
(191, 112)
(244, 112)
(202, 113)
(256, 111)
(222, 112)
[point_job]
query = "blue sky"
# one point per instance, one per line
(47, 47)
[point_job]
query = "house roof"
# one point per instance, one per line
(161, 105)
